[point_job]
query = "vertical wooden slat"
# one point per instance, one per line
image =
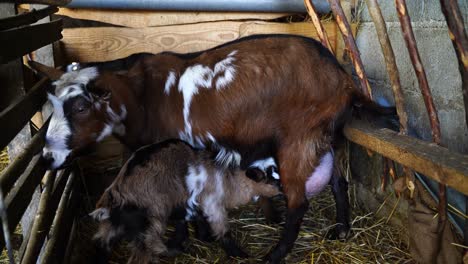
(390, 62)
(459, 39)
(410, 40)
(350, 45)
(39, 227)
(394, 77)
(49, 251)
(322, 34)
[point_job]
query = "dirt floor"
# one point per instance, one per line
(371, 240)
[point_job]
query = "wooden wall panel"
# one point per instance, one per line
(140, 18)
(108, 43)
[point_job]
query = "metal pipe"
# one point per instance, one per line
(204, 5)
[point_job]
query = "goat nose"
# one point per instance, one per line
(48, 158)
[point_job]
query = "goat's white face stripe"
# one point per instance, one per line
(199, 76)
(264, 164)
(68, 86)
(57, 134)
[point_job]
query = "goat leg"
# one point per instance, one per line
(230, 246)
(175, 244)
(203, 231)
(272, 215)
(340, 193)
(290, 232)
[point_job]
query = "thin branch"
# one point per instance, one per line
(410, 40)
(459, 39)
(350, 45)
(390, 62)
(317, 24)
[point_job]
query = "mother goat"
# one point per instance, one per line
(285, 95)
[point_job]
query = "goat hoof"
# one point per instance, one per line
(237, 253)
(339, 232)
(270, 258)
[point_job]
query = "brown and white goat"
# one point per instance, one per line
(160, 178)
(285, 95)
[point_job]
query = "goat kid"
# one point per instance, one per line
(158, 180)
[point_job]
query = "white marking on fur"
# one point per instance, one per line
(227, 157)
(57, 134)
(195, 182)
(228, 68)
(189, 82)
(114, 124)
(81, 77)
(170, 81)
(104, 133)
(212, 205)
(264, 164)
(100, 214)
(321, 175)
(199, 76)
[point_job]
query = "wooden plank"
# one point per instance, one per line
(108, 43)
(9, 176)
(141, 18)
(21, 41)
(14, 117)
(434, 161)
(43, 2)
(27, 18)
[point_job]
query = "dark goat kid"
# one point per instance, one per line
(159, 180)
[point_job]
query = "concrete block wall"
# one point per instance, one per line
(439, 59)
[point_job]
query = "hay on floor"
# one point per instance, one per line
(371, 240)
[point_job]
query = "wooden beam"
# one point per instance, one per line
(109, 43)
(141, 18)
(9, 176)
(14, 117)
(42, 2)
(434, 161)
(26, 18)
(21, 41)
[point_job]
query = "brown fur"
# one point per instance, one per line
(288, 92)
(158, 185)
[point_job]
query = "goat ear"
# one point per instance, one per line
(47, 71)
(54, 100)
(255, 174)
(100, 214)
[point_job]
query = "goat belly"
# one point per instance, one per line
(321, 176)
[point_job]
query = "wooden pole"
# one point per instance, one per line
(390, 62)
(459, 39)
(49, 251)
(322, 34)
(394, 77)
(410, 40)
(39, 228)
(350, 45)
